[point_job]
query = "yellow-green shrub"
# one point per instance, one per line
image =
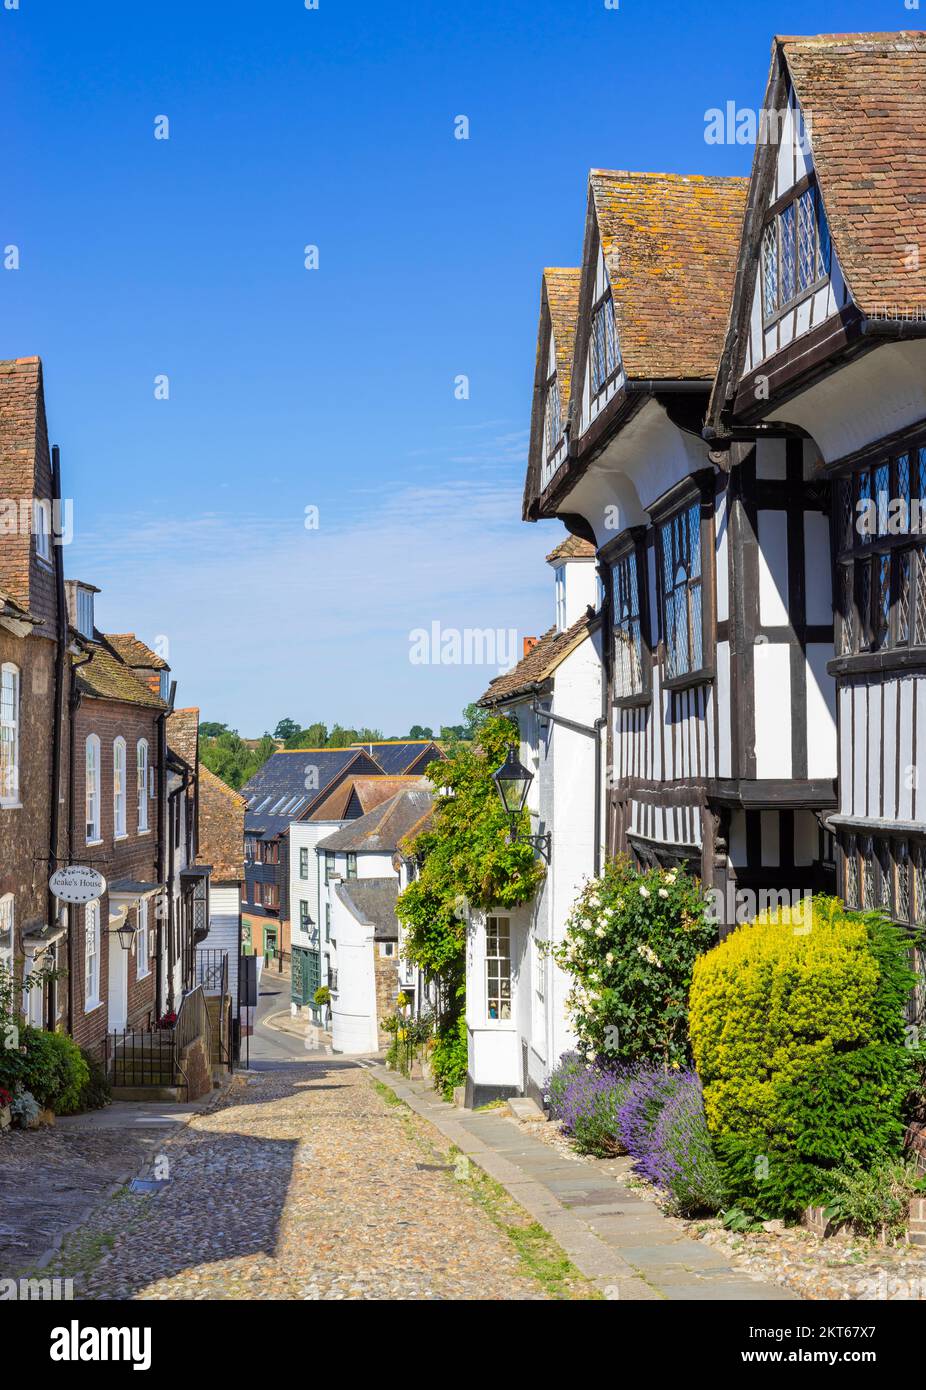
(797, 1033)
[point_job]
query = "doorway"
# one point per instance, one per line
(118, 993)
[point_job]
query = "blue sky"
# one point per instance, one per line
(331, 388)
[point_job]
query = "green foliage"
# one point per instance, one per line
(630, 945)
(876, 1201)
(797, 1028)
(448, 1058)
(55, 1072)
(465, 857)
(286, 728)
(96, 1091)
(322, 996)
(230, 758)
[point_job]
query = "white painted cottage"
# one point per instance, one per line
(515, 993)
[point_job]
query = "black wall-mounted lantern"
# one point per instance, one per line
(512, 782)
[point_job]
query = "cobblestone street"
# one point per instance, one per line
(309, 1182)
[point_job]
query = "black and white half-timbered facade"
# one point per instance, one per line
(721, 741)
(820, 407)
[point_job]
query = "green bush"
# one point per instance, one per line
(96, 1091)
(322, 996)
(55, 1071)
(449, 1058)
(629, 947)
(797, 1029)
(876, 1201)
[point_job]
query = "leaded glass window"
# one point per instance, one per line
(851, 868)
(680, 545)
(552, 423)
(628, 651)
(795, 251)
(605, 355)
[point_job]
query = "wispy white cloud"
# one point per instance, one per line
(266, 618)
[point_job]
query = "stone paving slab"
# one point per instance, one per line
(615, 1237)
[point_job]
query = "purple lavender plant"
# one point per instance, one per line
(663, 1126)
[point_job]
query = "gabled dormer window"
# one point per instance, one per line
(85, 612)
(552, 417)
(603, 349)
(795, 251)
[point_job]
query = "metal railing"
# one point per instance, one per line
(134, 1059)
(210, 969)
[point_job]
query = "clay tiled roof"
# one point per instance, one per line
(380, 830)
(572, 548)
(670, 244)
(539, 663)
(864, 99)
(183, 735)
(366, 792)
(562, 291)
(221, 827)
(134, 652)
(107, 678)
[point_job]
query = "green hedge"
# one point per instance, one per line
(797, 1029)
(55, 1071)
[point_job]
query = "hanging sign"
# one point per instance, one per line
(77, 884)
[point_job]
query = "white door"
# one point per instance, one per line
(118, 998)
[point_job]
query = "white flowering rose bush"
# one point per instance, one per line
(629, 949)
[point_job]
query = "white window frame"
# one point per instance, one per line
(10, 681)
(119, 797)
(94, 830)
(501, 974)
(92, 945)
(304, 863)
(559, 591)
(141, 783)
(7, 931)
(41, 528)
(142, 949)
(539, 998)
(85, 622)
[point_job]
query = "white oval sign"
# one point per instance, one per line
(77, 884)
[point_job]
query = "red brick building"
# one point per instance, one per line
(33, 686)
(117, 798)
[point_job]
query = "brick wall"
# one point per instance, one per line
(134, 857)
(386, 975)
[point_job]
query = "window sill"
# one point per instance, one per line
(91, 1005)
(637, 701)
(146, 831)
(11, 805)
(864, 663)
(91, 844)
(689, 679)
(117, 838)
